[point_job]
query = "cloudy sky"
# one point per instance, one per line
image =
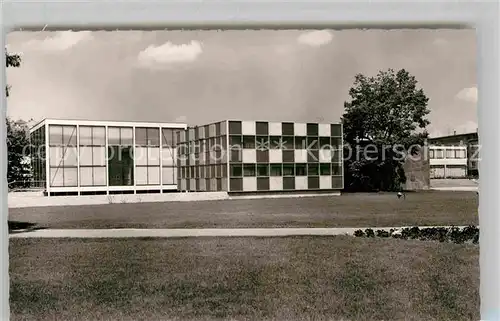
(204, 76)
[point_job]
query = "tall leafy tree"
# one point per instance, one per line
(18, 151)
(385, 116)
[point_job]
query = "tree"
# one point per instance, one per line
(18, 151)
(18, 147)
(11, 60)
(385, 116)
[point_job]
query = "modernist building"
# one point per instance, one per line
(259, 156)
(89, 157)
(448, 161)
(471, 143)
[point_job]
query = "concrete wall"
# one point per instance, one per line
(16, 200)
(417, 171)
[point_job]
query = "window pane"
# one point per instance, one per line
(275, 170)
(262, 128)
(141, 156)
(114, 136)
(288, 169)
(70, 176)
(153, 175)
(70, 157)
(249, 170)
(336, 129)
(141, 136)
(276, 142)
(336, 169)
(450, 153)
(141, 175)
(236, 156)
(69, 135)
(86, 176)
(154, 156)
(287, 129)
(55, 135)
(56, 177)
(168, 157)
(262, 143)
(56, 156)
(312, 143)
(99, 176)
(300, 142)
(85, 136)
(86, 156)
(99, 156)
(312, 130)
(167, 138)
(312, 170)
(99, 136)
(262, 170)
(325, 169)
(288, 142)
(168, 175)
(234, 127)
(249, 142)
(127, 136)
(236, 141)
(236, 170)
(324, 143)
(300, 170)
(154, 136)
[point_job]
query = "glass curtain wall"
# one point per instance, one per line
(63, 156)
(169, 173)
(120, 156)
(147, 156)
(92, 156)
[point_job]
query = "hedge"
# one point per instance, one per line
(469, 234)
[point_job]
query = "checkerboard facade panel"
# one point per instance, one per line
(254, 156)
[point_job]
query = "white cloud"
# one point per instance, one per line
(315, 38)
(468, 94)
(61, 41)
(169, 53)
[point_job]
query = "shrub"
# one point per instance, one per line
(359, 233)
(382, 233)
(369, 232)
(469, 234)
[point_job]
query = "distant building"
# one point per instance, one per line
(454, 156)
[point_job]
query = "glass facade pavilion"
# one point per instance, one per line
(259, 156)
(101, 157)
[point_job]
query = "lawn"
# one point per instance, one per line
(293, 278)
(349, 210)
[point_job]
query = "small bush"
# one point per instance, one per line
(382, 233)
(369, 232)
(359, 233)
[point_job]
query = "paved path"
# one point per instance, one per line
(166, 233)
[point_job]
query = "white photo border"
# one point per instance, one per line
(147, 14)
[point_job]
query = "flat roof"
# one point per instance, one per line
(452, 136)
(56, 121)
